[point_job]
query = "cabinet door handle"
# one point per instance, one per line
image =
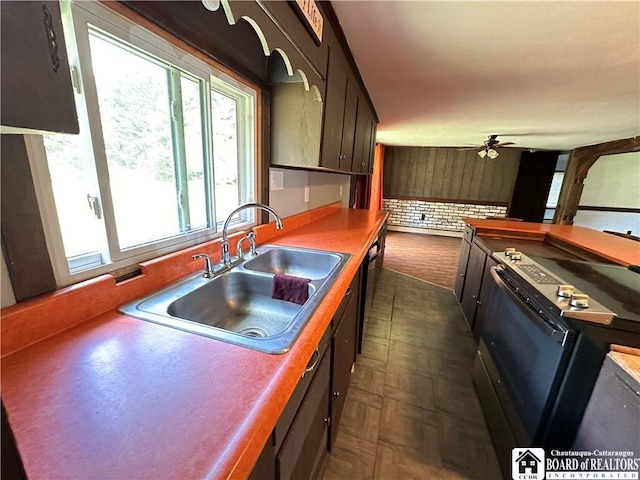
(47, 20)
(462, 275)
(314, 363)
(348, 292)
(327, 421)
(336, 394)
(478, 302)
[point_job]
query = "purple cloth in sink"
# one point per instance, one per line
(290, 288)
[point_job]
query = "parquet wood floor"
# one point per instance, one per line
(412, 411)
(430, 258)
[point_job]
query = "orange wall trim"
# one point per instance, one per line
(34, 320)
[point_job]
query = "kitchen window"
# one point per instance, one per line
(166, 149)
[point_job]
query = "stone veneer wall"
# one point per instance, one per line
(437, 215)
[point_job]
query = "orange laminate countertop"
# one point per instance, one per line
(616, 249)
(117, 397)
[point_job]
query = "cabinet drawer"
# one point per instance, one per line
(306, 442)
(282, 427)
(349, 294)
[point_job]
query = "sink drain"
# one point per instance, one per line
(254, 332)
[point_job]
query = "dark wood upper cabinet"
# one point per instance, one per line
(348, 120)
(326, 66)
(292, 23)
(349, 125)
(365, 138)
(334, 106)
(36, 90)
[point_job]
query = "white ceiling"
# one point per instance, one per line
(542, 74)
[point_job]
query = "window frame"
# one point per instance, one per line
(155, 43)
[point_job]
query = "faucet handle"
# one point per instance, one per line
(208, 266)
(252, 245)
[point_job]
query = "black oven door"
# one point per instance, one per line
(529, 350)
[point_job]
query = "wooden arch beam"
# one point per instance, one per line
(581, 160)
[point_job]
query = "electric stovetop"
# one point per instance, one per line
(614, 286)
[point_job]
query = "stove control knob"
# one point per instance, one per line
(579, 300)
(515, 255)
(509, 251)
(566, 290)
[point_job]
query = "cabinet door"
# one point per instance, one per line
(349, 125)
(364, 142)
(482, 297)
(472, 282)
(613, 409)
(305, 447)
(334, 108)
(359, 154)
(35, 79)
(462, 269)
(373, 127)
(293, 405)
(343, 353)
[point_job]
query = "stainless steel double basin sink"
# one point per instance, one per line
(237, 307)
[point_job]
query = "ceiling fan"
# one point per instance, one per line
(490, 147)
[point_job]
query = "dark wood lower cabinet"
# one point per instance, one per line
(483, 298)
(342, 351)
(308, 424)
(472, 283)
(462, 269)
(11, 464)
(265, 467)
(304, 448)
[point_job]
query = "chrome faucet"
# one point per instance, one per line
(226, 256)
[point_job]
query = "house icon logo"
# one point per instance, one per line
(527, 464)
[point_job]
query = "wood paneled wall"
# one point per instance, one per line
(448, 174)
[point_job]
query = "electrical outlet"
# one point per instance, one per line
(340, 190)
(277, 180)
(306, 194)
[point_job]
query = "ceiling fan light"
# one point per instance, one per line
(482, 153)
(492, 153)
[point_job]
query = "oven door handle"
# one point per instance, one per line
(539, 320)
(375, 245)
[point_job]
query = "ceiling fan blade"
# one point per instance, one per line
(462, 149)
(504, 144)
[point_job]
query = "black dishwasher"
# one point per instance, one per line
(371, 267)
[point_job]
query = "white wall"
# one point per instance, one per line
(613, 182)
(323, 187)
(612, 221)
